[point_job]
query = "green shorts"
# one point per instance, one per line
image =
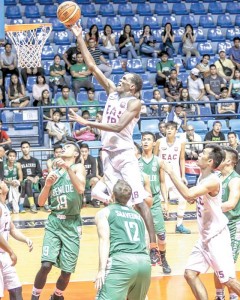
(157, 214)
(61, 242)
(234, 228)
(87, 186)
(127, 276)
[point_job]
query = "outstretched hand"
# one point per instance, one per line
(76, 29)
(100, 279)
(76, 118)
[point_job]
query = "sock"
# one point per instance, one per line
(31, 201)
(220, 294)
(21, 201)
(233, 296)
(36, 292)
(179, 221)
(58, 292)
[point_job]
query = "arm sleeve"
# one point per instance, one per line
(38, 169)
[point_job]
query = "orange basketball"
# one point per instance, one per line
(68, 13)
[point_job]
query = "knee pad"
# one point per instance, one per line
(16, 294)
(46, 267)
(161, 237)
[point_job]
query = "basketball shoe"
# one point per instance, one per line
(182, 229)
(55, 297)
(155, 256)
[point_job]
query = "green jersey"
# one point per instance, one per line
(127, 230)
(92, 109)
(64, 198)
(10, 173)
(234, 214)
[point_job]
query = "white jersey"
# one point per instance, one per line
(5, 222)
(211, 220)
(113, 110)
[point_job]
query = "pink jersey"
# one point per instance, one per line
(5, 222)
(113, 110)
(211, 220)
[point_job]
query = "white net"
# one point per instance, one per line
(29, 43)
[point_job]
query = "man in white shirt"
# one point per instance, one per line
(8, 62)
(192, 150)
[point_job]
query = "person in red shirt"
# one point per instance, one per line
(5, 140)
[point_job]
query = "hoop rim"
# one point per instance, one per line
(25, 27)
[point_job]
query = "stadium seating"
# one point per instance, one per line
(149, 125)
(30, 82)
(115, 22)
(224, 129)
(135, 66)
(116, 66)
(152, 22)
(19, 124)
(107, 10)
(136, 133)
(183, 77)
(197, 9)
(133, 21)
(144, 9)
(215, 35)
(170, 19)
(224, 21)
(199, 126)
(95, 21)
(89, 10)
(233, 8)
(61, 38)
(81, 97)
(189, 19)
(215, 8)
(48, 53)
(97, 85)
(161, 9)
(206, 21)
(179, 9)
(205, 112)
(146, 84)
(32, 11)
(27, 2)
(125, 9)
(147, 96)
(102, 97)
(50, 11)
(204, 48)
(10, 2)
(13, 12)
(151, 64)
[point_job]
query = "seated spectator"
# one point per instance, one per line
(127, 43)
(91, 101)
(5, 140)
(168, 39)
(70, 56)
(215, 134)
(109, 42)
(184, 97)
(196, 89)
(26, 72)
(144, 109)
(225, 67)
(57, 152)
(226, 108)
(2, 90)
(177, 114)
(32, 177)
(173, 87)
(13, 177)
(46, 101)
(162, 130)
(56, 129)
(164, 68)
(57, 72)
(204, 67)
(234, 52)
(99, 116)
(91, 170)
(213, 85)
(84, 133)
(188, 40)
(16, 93)
(66, 100)
(80, 75)
(99, 59)
(147, 42)
(157, 98)
(8, 62)
(192, 150)
(233, 142)
(234, 86)
(92, 34)
(38, 88)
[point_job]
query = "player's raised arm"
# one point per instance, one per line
(50, 180)
(107, 84)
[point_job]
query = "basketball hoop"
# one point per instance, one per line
(29, 40)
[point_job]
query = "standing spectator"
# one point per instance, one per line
(164, 68)
(92, 34)
(228, 107)
(38, 88)
(157, 98)
(233, 142)
(204, 67)
(56, 129)
(162, 130)
(66, 100)
(16, 93)
(127, 43)
(57, 72)
(8, 62)
(192, 150)
(99, 59)
(80, 75)
(234, 52)
(234, 86)
(32, 176)
(91, 101)
(225, 67)
(109, 42)
(168, 39)
(46, 101)
(84, 133)
(147, 42)
(5, 140)
(215, 134)
(188, 40)
(26, 72)
(173, 87)
(70, 56)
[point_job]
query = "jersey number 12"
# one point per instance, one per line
(134, 234)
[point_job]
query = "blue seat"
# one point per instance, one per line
(134, 21)
(170, 19)
(97, 85)
(19, 123)
(233, 8)
(88, 10)
(106, 10)
(224, 21)
(192, 62)
(101, 1)
(10, 2)
(183, 77)
(205, 113)
(206, 21)
(149, 125)
(125, 9)
(215, 35)
(178, 61)
(115, 22)
(224, 129)
(146, 83)
(178, 35)
(224, 45)
(116, 78)
(237, 20)
(81, 97)
(197, 9)
(215, 8)
(36, 21)
(94, 147)
(45, 2)
(27, 2)
(151, 64)
(188, 20)
(135, 66)
(61, 38)
(179, 9)
(200, 36)
(119, 1)
(199, 126)
(46, 66)
(16, 21)
(136, 133)
(57, 25)
(157, 33)
(144, 9)
(137, 34)
(102, 97)
(147, 96)
(50, 11)
(230, 33)
(48, 53)
(116, 65)
(152, 22)
(30, 82)
(234, 124)
(81, 1)
(95, 21)
(137, 1)
(13, 12)
(204, 48)
(32, 11)
(156, 1)
(161, 9)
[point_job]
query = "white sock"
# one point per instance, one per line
(58, 292)
(233, 296)
(98, 192)
(220, 294)
(36, 292)
(179, 221)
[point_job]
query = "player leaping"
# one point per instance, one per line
(121, 113)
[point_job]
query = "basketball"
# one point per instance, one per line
(68, 13)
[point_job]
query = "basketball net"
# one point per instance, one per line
(29, 40)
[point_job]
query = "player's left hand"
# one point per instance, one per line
(100, 279)
(60, 163)
(167, 167)
(30, 244)
(76, 118)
